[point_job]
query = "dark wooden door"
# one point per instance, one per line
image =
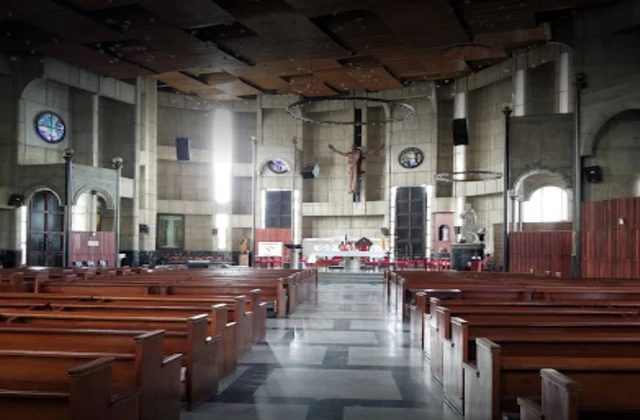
(410, 222)
(45, 243)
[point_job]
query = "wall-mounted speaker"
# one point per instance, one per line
(143, 228)
(310, 171)
(183, 149)
(593, 174)
(460, 133)
(16, 200)
(214, 231)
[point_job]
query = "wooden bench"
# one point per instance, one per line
(55, 387)
(585, 394)
(139, 361)
(457, 352)
(189, 336)
(509, 367)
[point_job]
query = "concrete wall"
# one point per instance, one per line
(606, 44)
(617, 152)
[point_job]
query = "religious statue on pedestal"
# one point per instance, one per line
(244, 252)
(356, 156)
(469, 225)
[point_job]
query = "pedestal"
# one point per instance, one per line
(243, 260)
(461, 254)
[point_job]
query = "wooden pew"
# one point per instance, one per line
(458, 353)
(235, 336)
(509, 367)
(57, 388)
(190, 289)
(189, 336)
(594, 393)
(139, 361)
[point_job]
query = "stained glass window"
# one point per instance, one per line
(50, 127)
(410, 157)
(278, 166)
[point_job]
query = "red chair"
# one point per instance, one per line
(402, 264)
(276, 262)
(420, 263)
(433, 264)
(385, 263)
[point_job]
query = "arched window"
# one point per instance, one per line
(547, 204)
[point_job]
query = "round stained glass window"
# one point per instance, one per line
(411, 158)
(278, 166)
(50, 127)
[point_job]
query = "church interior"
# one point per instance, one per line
(319, 209)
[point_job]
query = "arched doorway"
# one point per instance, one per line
(45, 241)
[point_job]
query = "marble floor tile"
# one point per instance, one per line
(223, 411)
(330, 383)
(384, 413)
(335, 337)
(284, 355)
(386, 356)
(313, 324)
(391, 325)
(227, 381)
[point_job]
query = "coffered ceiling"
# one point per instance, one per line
(225, 49)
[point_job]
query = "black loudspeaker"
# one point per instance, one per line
(310, 171)
(460, 134)
(143, 228)
(16, 200)
(183, 150)
(593, 174)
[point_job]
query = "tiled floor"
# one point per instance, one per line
(340, 356)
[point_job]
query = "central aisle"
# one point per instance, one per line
(340, 356)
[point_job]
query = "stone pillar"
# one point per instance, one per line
(460, 110)
(147, 190)
(85, 127)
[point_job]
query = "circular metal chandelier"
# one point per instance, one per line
(295, 110)
(468, 176)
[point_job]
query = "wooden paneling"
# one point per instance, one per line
(611, 238)
(541, 252)
(105, 249)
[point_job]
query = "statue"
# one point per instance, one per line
(469, 221)
(356, 156)
(244, 246)
(243, 258)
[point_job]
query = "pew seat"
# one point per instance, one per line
(57, 387)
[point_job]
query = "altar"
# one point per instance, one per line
(352, 259)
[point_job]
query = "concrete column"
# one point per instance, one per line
(460, 110)
(148, 167)
(563, 82)
(520, 92)
(86, 127)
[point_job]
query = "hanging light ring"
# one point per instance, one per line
(295, 110)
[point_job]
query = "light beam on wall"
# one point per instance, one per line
(222, 155)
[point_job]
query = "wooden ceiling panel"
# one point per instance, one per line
(307, 85)
(295, 67)
(188, 13)
(263, 80)
(101, 4)
(360, 31)
(317, 8)
(181, 81)
(74, 27)
(92, 60)
(374, 78)
(339, 79)
(308, 47)
(215, 94)
(410, 18)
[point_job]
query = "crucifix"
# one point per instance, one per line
(356, 157)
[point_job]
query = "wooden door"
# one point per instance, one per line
(45, 242)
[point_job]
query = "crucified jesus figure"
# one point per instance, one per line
(356, 156)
